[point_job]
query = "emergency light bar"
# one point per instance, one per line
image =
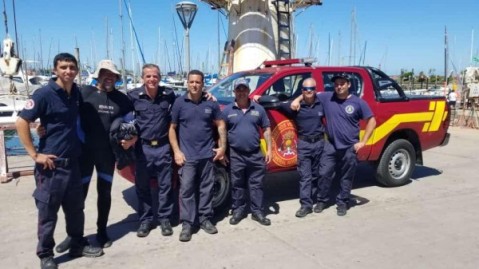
(305, 61)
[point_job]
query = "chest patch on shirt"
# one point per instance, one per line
(349, 109)
(255, 113)
(232, 115)
(29, 104)
(207, 110)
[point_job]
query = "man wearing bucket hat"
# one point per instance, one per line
(244, 119)
(343, 112)
(102, 104)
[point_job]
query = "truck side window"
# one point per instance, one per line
(386, 89)
(356, 82)
(288, 87)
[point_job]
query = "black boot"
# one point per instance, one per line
(48, 263)
(82, 248)
(64, 245)
(103, 239)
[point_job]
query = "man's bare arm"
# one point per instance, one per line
(23, 130)
(177, 153)
(267, 138)
(220, 151)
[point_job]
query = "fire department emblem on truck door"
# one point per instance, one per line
(284, 144)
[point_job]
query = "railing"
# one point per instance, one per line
(12, 166)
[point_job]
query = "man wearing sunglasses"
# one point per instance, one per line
(343, 112)
(310, 128)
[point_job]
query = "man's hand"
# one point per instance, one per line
(46, 159)
(268, 157)
(41, 131)
(210, 97)
(255, 98)
(295, 105)
(219, 154)
(358, 146)
(179, 158)
(126, 144)
(225, 161)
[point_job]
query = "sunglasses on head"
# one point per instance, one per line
(313, 88)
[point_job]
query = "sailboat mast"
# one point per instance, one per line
(446, 57)
(107, 40)
(472, 47)
(123, 69)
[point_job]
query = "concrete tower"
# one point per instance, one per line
(259, 30)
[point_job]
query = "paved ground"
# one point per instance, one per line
(430, 223)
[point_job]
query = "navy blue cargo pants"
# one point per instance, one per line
(344, 162)
(154, 162)
(309, 157)
(61, 186)
(196, 180)
(247, 172)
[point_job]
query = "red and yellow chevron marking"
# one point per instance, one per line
(432, 121)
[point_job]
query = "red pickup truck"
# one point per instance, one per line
(406, 124)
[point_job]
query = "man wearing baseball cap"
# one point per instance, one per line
(244, 119)
(343, 112)
(102, 104)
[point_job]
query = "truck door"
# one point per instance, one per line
(283, 129)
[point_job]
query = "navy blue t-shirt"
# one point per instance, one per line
(243, 127)
(152, 117)
(195, 123)
(308, 119)
(343, 118)
(58, 114)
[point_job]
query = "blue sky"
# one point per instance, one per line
(395, 34)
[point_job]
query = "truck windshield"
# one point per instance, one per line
(223, 90)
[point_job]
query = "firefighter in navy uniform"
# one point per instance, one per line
(102, 104)
(343, 111)
(310, 129)
(57, 172)
(244, 119)
(193, 118)
(152, 106)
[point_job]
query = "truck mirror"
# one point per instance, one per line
(268, 101)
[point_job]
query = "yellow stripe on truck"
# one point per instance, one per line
(432, 121)
(438, 115)
(262, 145)
(384, 129)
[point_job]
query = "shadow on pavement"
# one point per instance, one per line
(278, 187)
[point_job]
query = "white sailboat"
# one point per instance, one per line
(10, 106)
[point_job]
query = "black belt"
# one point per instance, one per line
(155, 142)
(312, 138)
(61, 162)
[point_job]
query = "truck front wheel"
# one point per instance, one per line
(396, 164)
(221, 187)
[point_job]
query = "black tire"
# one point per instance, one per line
(396, 164)
(221, 188)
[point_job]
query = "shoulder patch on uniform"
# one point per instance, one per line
(29, 104)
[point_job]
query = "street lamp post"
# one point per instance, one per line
(187, 11)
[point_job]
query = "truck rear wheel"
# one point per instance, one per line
(221, 187)
(396, 164)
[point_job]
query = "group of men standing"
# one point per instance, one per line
(180, 129)
(320, 159)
